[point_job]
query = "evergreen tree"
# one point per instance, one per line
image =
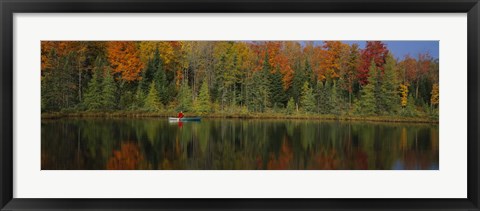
(127, 96)
(147, 76)
(255, 98)
(299, 78)
(152, 101)
(184, 98)
(139, 99)
(278, 95)
(328, 106)
(389, 87)
(161, 84)
(157, 61)
(59, 84)
(265, 83)
(335, 105)
(368, 104)
(307, 100)
(109, 90)
(291, 106)
(323, 97)
(410, 109)
(92, 98)
(202, 103)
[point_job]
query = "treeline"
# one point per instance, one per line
(237, 77)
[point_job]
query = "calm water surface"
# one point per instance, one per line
(227, 144)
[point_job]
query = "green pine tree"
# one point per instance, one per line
(265, 83)
(410, 109)
(291, 106)
(335, 105)
(390, 97)
(307, 100)
(328, 97)
(367, 105)
(202, 104)
(255, 93)
(278, 95)
(109, 90)
(323, 97)
(147, 76)
(92, 97)
(139, 99)
(298, 78)
(152, 101)
(127, 96)
(161, 84)
(184, 98)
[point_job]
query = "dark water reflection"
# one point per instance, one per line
(236, 144)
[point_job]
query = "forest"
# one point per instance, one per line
(237, 78)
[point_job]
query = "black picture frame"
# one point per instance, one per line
(9, 7)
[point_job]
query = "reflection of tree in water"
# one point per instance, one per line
(128, 157)
(236, 144)
(284, 160)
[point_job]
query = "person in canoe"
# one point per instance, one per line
(180, 115)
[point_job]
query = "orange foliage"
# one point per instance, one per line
(124, 59)
(128, 157)
(62, 48)
(410, 66)
(278, 58)
(327, 160)
(314, 56)
(330, 55)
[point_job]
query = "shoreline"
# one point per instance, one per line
(136, 114)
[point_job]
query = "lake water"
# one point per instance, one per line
(236, 144)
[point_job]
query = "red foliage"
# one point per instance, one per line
(376, 51)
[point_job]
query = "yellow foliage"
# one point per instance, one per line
(404, 93)
(435, 95)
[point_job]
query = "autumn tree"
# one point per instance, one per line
(330, 63)
(237, 77)
(404, 95)
(434, 100)
(374, 51)
(350, 68)
(123, 57)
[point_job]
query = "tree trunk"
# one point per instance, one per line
(416, 89)
(79, 85)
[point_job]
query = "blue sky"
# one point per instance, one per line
(401, 48)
